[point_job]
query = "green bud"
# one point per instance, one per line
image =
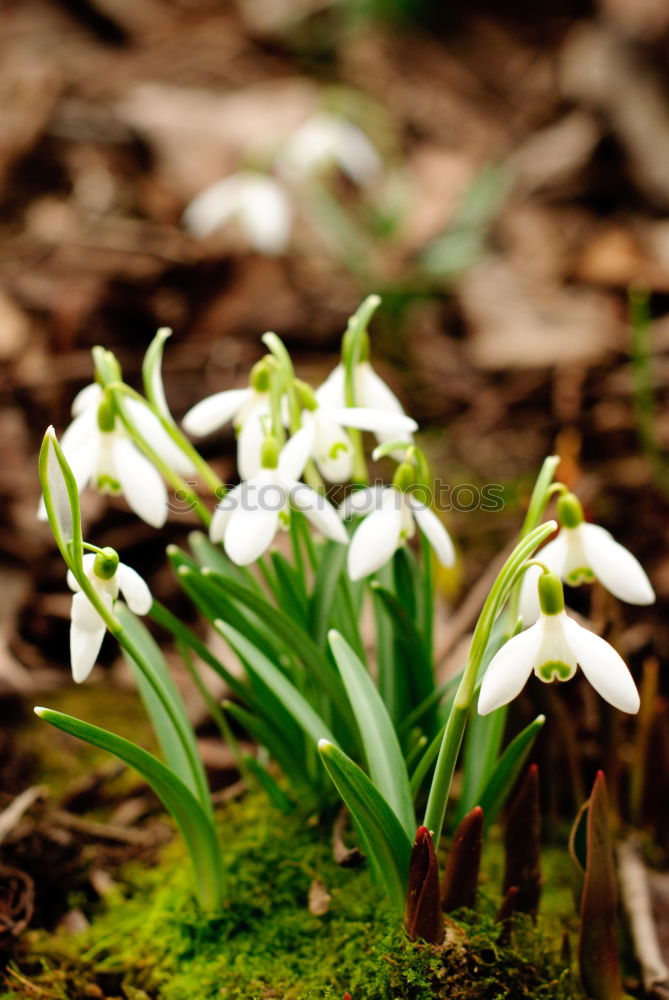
(260, 376)
(106, 414)
(306, 395)
(106, 563)
(551, 594)
(269, 455)
(569, 511)
(405, 477)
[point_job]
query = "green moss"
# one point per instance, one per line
(149, 941)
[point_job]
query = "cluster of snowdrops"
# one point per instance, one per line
(331, 721)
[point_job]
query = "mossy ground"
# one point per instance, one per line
(149, 941)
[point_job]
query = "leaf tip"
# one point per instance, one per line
(40, 711)
(324, 746)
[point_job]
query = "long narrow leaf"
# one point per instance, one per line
(507, 769)
(196, 827)
(291, 699)
(482, 745)
(382, 832)
(382, 750)
(192, 774)
(327, 576)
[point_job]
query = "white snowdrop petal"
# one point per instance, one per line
(90, 395)
(603, 667)
(316, 508)
(435, 532)
(556, 659)
(84, 648)
(367, 419)
(553, 556)
(616, 567)
(249, 444)
(249, 532)
(215, 411)
(296, 452)
(332, 449)
(331, 394)
(141, 483)
(151, 429)
(362, 501)
(375, 540)
(214, 206)
(356, 155)
(266, 216)
(374, 393)
(223, 511)
(509, 669)
(81, 431)
(134, 589)
(87, 562)
(84, 615)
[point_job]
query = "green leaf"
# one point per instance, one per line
(382, 750)
(197, 828)
(152, 372)
(507, 769)
(193, 775)
(291, 596)
(482, 745)
(213, 556)
(289, 635)
(286, 692)
(329, 570)
(414, 665)
(383, 834)
(61, 500)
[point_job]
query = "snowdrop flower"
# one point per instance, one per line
(258, 204)
(100, 452)
(325, 141)
(331, 447)
(87, 629)
(584, 552)
(245, 408)
(248, 518)
(392, 514)
(371, 392)
(554, 646)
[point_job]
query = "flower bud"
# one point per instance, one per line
(569, 511)
(551, 595)
(106, 563)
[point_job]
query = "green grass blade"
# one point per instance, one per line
(382, 750)
(197, 828)
(482, 745)
(382, 832)
(332, 558)
(188, 767)
(507, 769)
(286, 692)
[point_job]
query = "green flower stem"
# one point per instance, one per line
(119, 633)
(457, 720)
(178, 484)
(544, 489)
(352, 355)
(427, 580)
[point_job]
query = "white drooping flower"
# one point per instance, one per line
(371, 392)
(245, 408)
(553, 647)
(392, 516)
(326, 140)
(331, 447)
(101, 453)
(256, 202)
(87, 630)
(582, 553)
(249, 516)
